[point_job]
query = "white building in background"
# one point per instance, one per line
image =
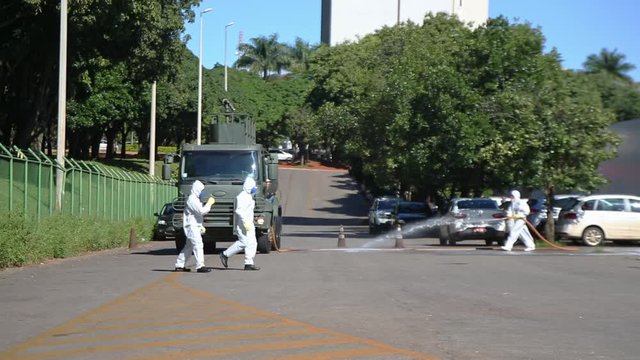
(348, 20)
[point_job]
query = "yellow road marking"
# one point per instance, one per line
(108, 331)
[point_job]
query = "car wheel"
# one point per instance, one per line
(488, 242)
(592, 236)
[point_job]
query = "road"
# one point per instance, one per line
(314, 300)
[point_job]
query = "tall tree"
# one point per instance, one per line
(301, 52)
(264, 55)
(611, 62)
(143, 34)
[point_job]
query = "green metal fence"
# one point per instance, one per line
(28, 186)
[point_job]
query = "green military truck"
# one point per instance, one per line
(222, 165)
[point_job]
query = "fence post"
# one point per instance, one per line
(10, 156)
(51, 165)
(25, 180)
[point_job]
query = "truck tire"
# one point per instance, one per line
(264, 245)
(209, 247)
(180, 241)
(278, 234)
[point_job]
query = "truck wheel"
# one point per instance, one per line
(180, 241)
(209, 247)
(277, 231)
(264, 245)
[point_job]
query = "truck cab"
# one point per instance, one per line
(222, 165)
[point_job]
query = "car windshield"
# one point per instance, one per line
(413, 207)
(386, 205)
(220, 164)
(477, 204)
(167, 209)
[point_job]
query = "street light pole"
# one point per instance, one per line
(199, 130)
(62, 105)
(225, 55)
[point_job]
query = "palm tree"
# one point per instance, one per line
(263, 55)
(610, 62)
(300, 54)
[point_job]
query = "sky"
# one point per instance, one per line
(576, 28)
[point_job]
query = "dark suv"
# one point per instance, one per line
(163, 229)
(381, 214)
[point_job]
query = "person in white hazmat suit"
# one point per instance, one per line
(193, 229)
(244, 227)
(517, 213)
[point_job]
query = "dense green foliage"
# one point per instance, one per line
(24, 241)
(435, 109)
(441, 109)
(114, 49)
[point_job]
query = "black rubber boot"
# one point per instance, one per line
(224, 260)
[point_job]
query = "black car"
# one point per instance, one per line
(408, 212)
(164, 230)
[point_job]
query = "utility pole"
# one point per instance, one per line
(62, 105)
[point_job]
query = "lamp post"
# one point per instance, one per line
(62, 105)
(225, 55)
(198, 131)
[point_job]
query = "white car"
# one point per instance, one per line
(596, 218)
(473, 218)
(282, 155)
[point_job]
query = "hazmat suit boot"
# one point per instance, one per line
(224, 260)
(251, 267)
(181, 269)
(204, 269)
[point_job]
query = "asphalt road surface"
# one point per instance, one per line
(313, 300)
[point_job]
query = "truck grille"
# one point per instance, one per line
(221, 214)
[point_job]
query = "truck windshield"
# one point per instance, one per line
(219, 164)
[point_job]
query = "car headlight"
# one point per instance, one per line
(162, 222)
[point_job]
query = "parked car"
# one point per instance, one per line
(408, 212)
(596, 218)
(163, 229)
(473, 218)
(411, 211)
(381, 213)
(538, 215)
(282, 155)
